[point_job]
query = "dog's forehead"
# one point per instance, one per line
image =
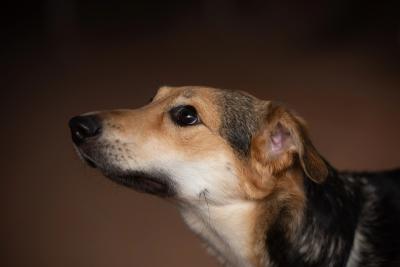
(201, 92)
(207, 94)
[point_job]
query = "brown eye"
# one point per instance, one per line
(184, 115)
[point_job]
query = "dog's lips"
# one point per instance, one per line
(144, 183)
(89, 161)
(153, 182)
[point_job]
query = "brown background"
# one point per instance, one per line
(335, 62)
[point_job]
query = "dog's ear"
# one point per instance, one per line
(283, 143)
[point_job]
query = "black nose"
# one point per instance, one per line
(84, 127)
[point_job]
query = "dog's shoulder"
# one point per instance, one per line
(384, 184)
(377, 238)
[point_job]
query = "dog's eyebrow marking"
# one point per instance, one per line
(188, 93)
(238, 120)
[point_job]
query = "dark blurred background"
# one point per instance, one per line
(336, 62)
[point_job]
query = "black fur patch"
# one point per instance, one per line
(334, 211)
(239, 120)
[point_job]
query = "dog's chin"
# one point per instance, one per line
(154, 182)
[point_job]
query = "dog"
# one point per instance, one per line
(247, 179)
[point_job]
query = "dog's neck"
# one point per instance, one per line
(235, 235)
(319, 240)
(227, 230)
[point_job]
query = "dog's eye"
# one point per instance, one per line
(184, 115)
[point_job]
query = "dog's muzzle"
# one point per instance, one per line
(86, 134)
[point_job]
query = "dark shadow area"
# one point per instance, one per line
(335, 62)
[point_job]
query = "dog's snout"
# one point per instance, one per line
(84, 127)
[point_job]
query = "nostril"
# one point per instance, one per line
(81, 131)
(83, 127)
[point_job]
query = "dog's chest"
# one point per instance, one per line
(226, 230)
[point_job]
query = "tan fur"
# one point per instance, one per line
(245, 193)
(153, 120)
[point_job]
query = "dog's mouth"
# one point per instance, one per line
(154, 182)
(88, 160)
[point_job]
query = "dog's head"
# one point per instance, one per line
(191, 141)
